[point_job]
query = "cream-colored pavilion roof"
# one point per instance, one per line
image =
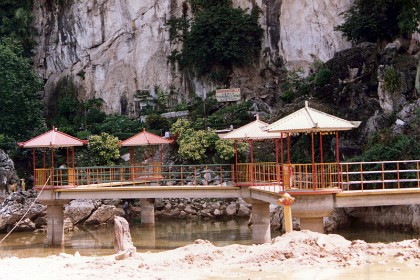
(252, 131)
(52, 138)
(308, 119)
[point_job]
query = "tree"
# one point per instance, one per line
(21, 107)
(221, 37)
(104, 149)
(15, 21)
(373, 20)
(201, 145)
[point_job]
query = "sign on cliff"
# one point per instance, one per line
(229, 94)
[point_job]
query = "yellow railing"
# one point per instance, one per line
(289, 176)
(311, 176)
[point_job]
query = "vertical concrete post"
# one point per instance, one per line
(147, 211)
(315, 224)
(286, 200)
(261, 232)
(55, 224)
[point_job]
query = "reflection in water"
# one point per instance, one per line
(165, 235)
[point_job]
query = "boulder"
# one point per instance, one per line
(243, 211)
(16, 205)
(80, 209)
(104, 214)
(8, 174)
(231, 209)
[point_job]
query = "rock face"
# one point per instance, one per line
(307, 31)
(8, 174)
(117, 49)
(15, 206)
(401, 217)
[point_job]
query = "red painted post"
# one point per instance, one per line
(322, 161)
(337, 154)
(314, 185)
(34, 164)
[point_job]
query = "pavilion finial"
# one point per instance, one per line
(257, 117)
(306, 103)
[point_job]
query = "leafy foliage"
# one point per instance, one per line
(121, 126)
(373, 20)
(220, 38)
(200, 145)
(226, 149)
(65, 109)
(322, 77)
(21, 105)
(392, 80)
(293, 86)
(15, 22)
(104, 149)
(235, 114)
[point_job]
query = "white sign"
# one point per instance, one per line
(229, 94)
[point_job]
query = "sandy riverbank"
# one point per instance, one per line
(297, 255)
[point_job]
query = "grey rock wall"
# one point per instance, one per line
(116, 48)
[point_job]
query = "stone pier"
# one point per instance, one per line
(261, 231)
(55, 224)
(311, 211)
(147, 211)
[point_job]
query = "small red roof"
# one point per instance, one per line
(52, 138)
(144, 138)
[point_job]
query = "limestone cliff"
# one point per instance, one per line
(114, 49)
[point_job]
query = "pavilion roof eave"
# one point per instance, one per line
(144, 138)
(53, 139)
(311, 120)
(251, 131)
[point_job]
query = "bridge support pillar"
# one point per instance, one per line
(312, 209)
(315, 224)
(55, 224)
(261, 231)
(147, 211)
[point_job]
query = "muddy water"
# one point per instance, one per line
(98, 241)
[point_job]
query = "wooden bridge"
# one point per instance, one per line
(318, 188)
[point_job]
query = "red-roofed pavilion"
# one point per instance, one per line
(146, 139)
(52, 139)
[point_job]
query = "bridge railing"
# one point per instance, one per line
(151, 174)
(380, 175)
(347, 176)
(289, 176)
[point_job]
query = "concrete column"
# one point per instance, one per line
(313, 224)
(55, 224)
(261, 232)
(147, 211)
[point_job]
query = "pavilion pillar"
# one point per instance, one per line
(147, 211)
(55, 224)
(261, 232)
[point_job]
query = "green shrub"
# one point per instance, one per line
(392, 80)
(200, 146)
(156, 122)
(104, 149)
(225, 149)
(323, 77)
(114, 124)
